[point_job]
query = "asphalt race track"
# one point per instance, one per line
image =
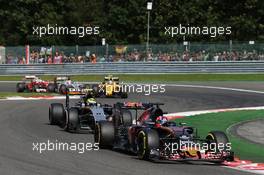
(25, 122)
(252, 131)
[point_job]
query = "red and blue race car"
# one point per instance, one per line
(151, 136)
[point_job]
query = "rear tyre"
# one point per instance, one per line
(126, 118)
(147, 140)
(56, 114)
(20, 87)
(63, 89)
(104, 134)
(51, 87)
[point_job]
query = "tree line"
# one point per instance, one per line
(125, 22)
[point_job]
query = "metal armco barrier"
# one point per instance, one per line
(134, 67)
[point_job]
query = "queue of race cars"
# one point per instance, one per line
(110, 86)
(138, 128)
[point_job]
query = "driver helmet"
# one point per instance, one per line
(160, 121)
(38, 80)
(91, 101)
(68, 82)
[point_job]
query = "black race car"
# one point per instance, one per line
(83, 115)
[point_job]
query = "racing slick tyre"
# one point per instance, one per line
(63, 89)
(73, 123)
(116, 119)
(95, 89)
(51, 87)
(20, 87)
(123, 95)
(219, 140)
(56, 114)
(216, 138)
(147, 141)
(104, 134)
(126, 118)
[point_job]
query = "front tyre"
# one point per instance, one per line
(63, 89)
(124, 95)
(73, 120)
(216, 139)
(147, 141)
(104, 134)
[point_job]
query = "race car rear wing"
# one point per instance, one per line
(61, 78)
(68, 93)
(111, 78)
(30, 77)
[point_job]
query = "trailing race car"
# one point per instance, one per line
(34, 84)
(83, 115)
(62, 84)
(110, 87)
(154, 137)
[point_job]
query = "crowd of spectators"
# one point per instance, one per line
(60, 57)
(189, 56)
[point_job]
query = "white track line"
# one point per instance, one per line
(191, 113)
(215, 87)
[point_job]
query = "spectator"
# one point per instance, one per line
(50, 60)
(93, 58)
(57, 58)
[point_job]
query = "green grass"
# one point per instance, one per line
(221, 121)
(14, 94)
(156, 77)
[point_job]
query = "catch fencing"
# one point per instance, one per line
(198, 51)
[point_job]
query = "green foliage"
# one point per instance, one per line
(123, 22)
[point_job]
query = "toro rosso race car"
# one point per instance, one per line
(64, 84)
(34, 84)
(83, 115)
(153, 137)
(110, 87)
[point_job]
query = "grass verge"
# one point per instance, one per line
(156, 77)
(221, 121)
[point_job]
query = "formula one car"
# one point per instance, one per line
(110, 87)
(34, 84)
(62, 84)
(154, 137)
(83, 115)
